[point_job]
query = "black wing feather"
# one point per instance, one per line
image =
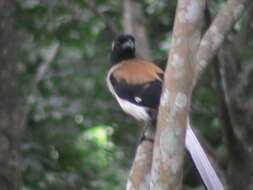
(148, 93)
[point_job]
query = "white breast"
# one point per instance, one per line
(138, 112)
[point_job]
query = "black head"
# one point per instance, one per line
(123, 48)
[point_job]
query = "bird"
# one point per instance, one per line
(136, 84)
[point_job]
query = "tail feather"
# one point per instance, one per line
(201, 161)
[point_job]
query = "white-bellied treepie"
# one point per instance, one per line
(137, 84)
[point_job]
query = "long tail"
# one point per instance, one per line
(199, 157)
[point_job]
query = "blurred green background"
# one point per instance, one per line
(76, 136)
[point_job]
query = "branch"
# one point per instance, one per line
(168, 153)
(91, 5)
(139, 176)
(243, 80)
(44, 66)
(226, 119)
(238, 152)
(216, 33)
(242, 37)
(38, 77)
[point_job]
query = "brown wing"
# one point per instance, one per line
(137, 71)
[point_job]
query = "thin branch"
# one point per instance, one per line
(139, 177)
(217, 32)
(226, 119)
(237, 151)
(235, 55)
(243, 80)
(246, 29)
(38, 77)
(92, 6)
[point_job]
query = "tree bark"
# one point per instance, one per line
(216, 33)
(139, 177)
(10, 114)
(188, 58)
(167, 166)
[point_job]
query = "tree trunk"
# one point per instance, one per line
(188, 57)
(10, 135)
(133, 23)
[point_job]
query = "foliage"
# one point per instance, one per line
(68, 144)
